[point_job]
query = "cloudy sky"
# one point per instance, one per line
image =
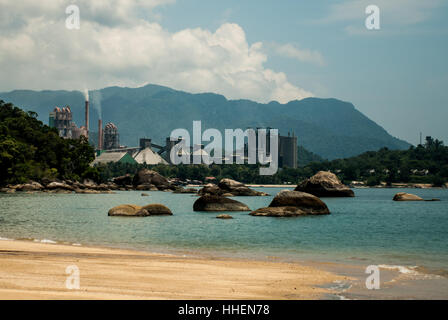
(260, 50)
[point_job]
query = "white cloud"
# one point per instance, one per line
(303, 55)
(396, 13)
(117, 45)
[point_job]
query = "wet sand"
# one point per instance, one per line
(31, 270)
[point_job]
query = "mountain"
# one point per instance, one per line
(329, 128)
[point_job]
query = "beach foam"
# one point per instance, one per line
(45, 241)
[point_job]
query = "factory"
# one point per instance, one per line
(62, 120)
(109, 148)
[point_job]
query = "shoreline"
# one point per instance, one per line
(31, 270)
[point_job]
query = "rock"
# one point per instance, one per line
(128, 210)
(218, 203)
(227, 195)
(7, 190)
(146, 176)
(237, 188)
(403, 196)
(123, 180)
(32, 186)
(87, 191)
(59, 185)
(293, 203)
(224, 216)
(157, 209)
(145, 195)
(185, 190)
(229, 186)
(325, 184)
(146, 187)
(211, 189)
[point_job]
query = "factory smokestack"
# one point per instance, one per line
(100, 134)
(87, 118)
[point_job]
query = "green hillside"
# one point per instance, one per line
(328, 127)
(31, 150)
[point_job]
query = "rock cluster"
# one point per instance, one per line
(66, 186)
(132, 210)
(325, 184)
(293, 203)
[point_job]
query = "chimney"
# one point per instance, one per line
(87, 117)
(100, 134)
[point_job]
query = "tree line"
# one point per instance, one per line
(30, 150)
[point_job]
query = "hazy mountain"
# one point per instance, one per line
(328, 127)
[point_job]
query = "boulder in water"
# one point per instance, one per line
(218, 203)
(403, 196)
(325, 184)
(293, 203)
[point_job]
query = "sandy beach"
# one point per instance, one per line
(31, 270)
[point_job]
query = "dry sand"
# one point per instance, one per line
(31, 270)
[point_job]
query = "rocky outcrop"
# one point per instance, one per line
(122, 181)
(293, 203)
(151, 177)
(59, 185)
(218, 203)
(230, 188)
(325, 184)
(132, 210)
(403, 196)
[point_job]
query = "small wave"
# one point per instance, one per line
(402, 269)
(411, 272)
(5, 239)
(76, 244)
(45, 241)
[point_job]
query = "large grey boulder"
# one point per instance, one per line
(293, 203)
(325, 184)
(218, 203)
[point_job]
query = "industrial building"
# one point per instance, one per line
(107, 157)
(287, 149)
(111, 137)
(62, 120)
(143, 154)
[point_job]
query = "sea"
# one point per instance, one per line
(369, 229)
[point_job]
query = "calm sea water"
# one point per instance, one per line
(368, 228)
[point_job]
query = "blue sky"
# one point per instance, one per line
(259, 50)
(398, 75)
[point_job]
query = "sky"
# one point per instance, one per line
(260, 50)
